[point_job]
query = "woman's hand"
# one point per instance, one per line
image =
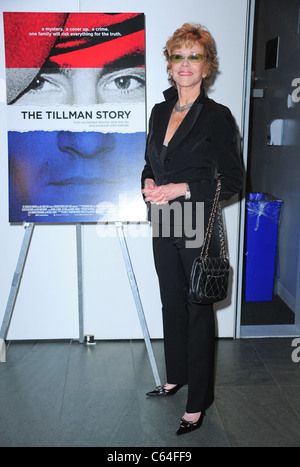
(153, 193)
(164, 193)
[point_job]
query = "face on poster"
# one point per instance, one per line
(76, 116)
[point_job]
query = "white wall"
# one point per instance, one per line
(47, 307)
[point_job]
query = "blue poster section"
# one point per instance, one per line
(62, 176)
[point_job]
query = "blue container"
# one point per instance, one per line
(262, 218)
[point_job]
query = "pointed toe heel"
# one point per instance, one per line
(187, 427)
(162, 391)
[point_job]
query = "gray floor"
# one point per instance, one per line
(70, 394)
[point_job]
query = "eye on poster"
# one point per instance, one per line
(76, 116)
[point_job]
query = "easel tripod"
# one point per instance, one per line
(29, 228)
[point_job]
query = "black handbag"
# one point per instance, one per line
(209, 275)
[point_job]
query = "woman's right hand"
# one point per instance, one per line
(153, 193)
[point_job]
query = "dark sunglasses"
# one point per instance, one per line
(194, 58)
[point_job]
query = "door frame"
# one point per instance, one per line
(253, 331)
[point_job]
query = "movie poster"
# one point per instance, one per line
(76, 116)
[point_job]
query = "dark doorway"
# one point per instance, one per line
(273, 167)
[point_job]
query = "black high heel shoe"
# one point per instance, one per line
(162, 391)
(187, 427)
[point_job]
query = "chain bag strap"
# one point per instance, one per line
(209, 275)
(215, 211)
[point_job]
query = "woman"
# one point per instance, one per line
(191, 139)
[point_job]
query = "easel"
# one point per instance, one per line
(29, 228)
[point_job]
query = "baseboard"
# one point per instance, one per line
(285, 296)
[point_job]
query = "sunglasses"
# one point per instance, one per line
(194, 58)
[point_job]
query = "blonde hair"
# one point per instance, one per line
(188, 35)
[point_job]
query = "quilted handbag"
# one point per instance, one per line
(209, 275)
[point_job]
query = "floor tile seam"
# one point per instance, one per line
(291, 405)
(280, 391)
(264, 363)
(223, 426)
(280, 387)
(136, 385)
(63, 394)
(291, 385)
(111, 434)
(9, 343)
(277, 385)
(249, 386)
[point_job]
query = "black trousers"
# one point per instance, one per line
(189, 329)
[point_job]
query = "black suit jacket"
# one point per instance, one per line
(205, 144)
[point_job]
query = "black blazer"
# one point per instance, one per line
(204, 144)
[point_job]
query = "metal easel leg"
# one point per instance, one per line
(138, 303)
(79, 281)
(14, 289)
(2, 351)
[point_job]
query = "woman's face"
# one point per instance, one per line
(188, 73)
